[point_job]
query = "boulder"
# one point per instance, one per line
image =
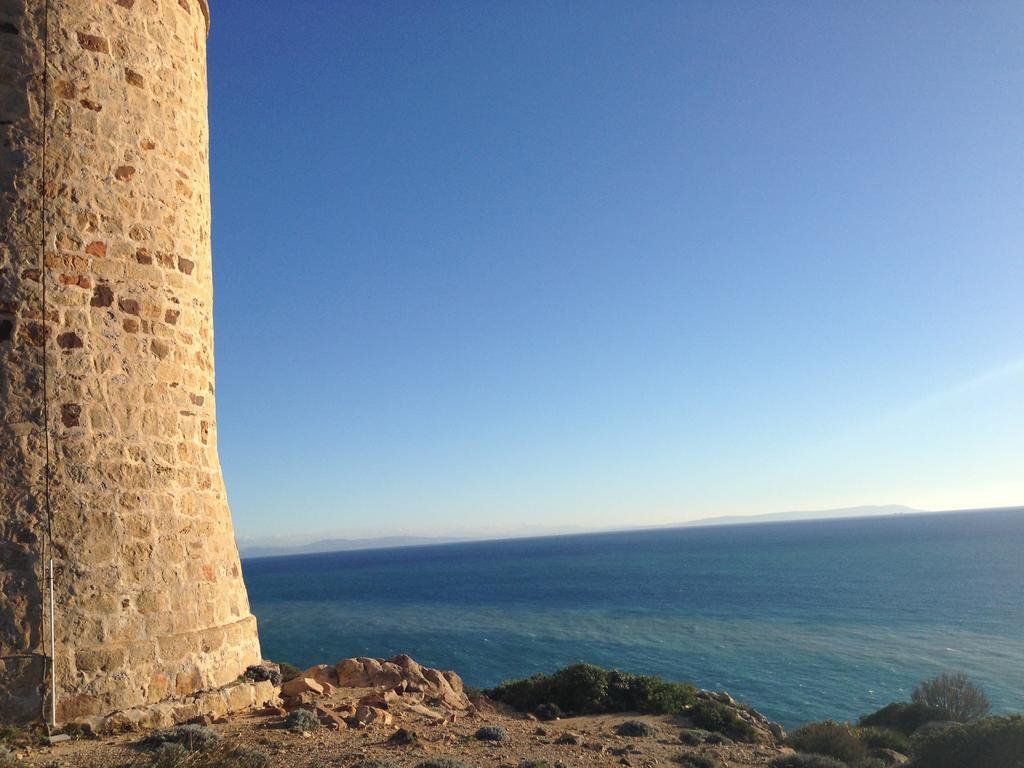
(300, 685)
(357, 673)
(330, 719)
(322, 673)
(404, 677)
(372, 716)
(380, 699)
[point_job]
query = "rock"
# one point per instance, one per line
(346, 710)
(301, 685)
(381, 699)
(357, 673)
(372, 716)
(322, 673)
(302, 700)
(410, 671)
(330, 719)
(426, 712)
(777, 730)
(405, 677)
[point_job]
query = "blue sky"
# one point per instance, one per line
(487, 266)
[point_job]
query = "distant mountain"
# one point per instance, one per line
(261, 549)
(784, 517)
(270, 547)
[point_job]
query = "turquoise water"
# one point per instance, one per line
(801, 620)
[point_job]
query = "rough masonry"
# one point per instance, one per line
(108, 435)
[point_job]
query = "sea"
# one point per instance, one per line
(802, 620)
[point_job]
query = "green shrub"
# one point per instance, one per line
(403, 737)
(548, 711)
(903, 717)
(721, 718)
(301, 720)
(694, 736)
(174, 754)
(993, 741)
(587, 689)
(249, 757)
(647, 693)
(194, 738)
(954, 694)
(491, 733)
(806, 761)
(288, 671)
(831, 739)
(883, 738)
(169, 755)
(636, 728)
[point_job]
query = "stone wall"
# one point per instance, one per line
(106, 363)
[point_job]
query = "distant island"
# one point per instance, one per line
(269, 547)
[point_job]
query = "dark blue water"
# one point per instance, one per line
(801, 620)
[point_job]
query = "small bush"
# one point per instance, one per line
(694, 736)
(718, 739)
(568, 738)
(249, 757)
(491, 733)
(169, 755)
(806, 761)
(267, 671)
(301, 720)
(993, 741)
(548, 711)
(831, 739)
(374, 764)
(403, 737)
(194, 738)
(721, 718)
(636, 728)
(903, 717)
(954, 694)
(288, 671)
(883, 738)
(442, 762)
(584, 689)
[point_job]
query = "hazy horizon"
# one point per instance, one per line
(601, 265)
(293, 542)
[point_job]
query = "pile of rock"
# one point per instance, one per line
(364, 691)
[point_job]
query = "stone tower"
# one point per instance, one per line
(108, 437)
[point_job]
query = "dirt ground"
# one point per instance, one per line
(596, 745)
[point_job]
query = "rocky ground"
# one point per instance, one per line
(401, 714)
